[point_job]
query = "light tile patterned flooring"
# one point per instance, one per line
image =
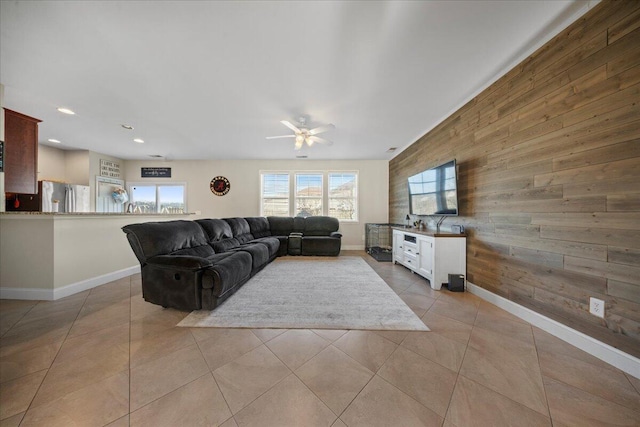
(106, 357)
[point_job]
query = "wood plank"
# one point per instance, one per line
(622, 169)
(627, 291)
(623, 27)
(619, 272)
(623, 63)
(583, 204)
(624, 202)
(517, 218)
(579, 249)
(619, 192)
(619, 99)
(611, 220)
(599, 236)
(621, 255)
(596, 156)
(587, 134)
(533, 256)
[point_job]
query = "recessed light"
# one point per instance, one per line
(66, 111)
(128, 127)
(55, 141)
(139, 141)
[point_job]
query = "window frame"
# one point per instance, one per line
(325, 189)
(158, 184)
(357, 193)
(295, 196)
(262, 198)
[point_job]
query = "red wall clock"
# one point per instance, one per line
(220, 186)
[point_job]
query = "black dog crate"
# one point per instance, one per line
(378, 239)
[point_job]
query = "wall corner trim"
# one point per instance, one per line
(621, 360)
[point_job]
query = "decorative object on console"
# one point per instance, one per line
(457, 229)
(220, 185)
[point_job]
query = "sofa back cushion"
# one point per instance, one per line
(259, 227)
(280, 225)
(215, 229)
(164, 238)
(320, 225)
(240, 229)
(299, 224)
(219, 234)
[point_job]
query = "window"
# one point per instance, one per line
(275, 194)
(158, 198)
(303, 193)
(308, 194)
(343, 195)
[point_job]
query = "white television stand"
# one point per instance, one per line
(431, 255)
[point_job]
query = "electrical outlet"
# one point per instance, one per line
(596, 307)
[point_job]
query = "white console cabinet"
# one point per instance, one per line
(431, 255)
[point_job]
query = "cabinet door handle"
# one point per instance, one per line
(417, 253)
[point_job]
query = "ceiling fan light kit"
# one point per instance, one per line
(303, 135)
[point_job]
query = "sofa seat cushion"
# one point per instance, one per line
(259, 255)
(203, 251)
(272, 244)
(228, 271)
(284, 245)
(320, 245)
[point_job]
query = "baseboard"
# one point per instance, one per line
(26, 293)
(352, 247)
(65, 291)
(621, 360)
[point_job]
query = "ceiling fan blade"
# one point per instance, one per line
(290, 126)
(321, 129)
(319, 140)
(281, 136)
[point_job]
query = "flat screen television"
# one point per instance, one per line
(434, 191)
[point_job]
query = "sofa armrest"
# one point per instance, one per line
(184, 262)
(335, 234)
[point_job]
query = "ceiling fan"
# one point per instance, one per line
(304, 135)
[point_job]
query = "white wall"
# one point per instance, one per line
(244, 197)
(51, 164)
(77, 167)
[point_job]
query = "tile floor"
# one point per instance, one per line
(106, 357)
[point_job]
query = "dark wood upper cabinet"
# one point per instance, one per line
(20, 153)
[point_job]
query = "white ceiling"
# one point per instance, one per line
(210, 80)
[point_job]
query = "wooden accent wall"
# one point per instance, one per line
(549, 177)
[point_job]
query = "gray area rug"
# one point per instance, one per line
(312, 293)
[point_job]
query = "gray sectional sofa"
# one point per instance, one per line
(192, 265)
